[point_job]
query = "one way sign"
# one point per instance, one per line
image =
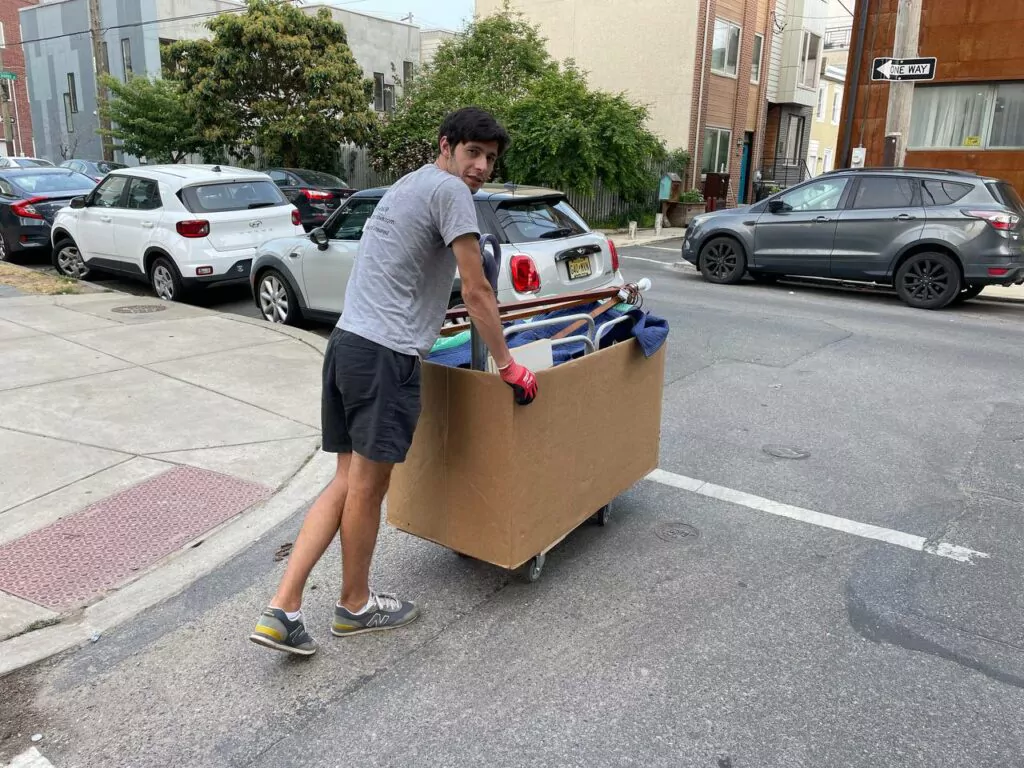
(904, 69)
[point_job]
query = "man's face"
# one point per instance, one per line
(471, 161)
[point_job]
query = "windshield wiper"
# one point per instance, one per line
(561, 232)
(259, 205)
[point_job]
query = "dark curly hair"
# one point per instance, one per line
(473, 124)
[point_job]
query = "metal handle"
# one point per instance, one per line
(904, 217)
(822, 220)
(147, 224)
(530, 325)
(608, 326)
(293, 255)
(106, 219)
(587, 342)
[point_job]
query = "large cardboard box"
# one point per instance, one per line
(502, 482)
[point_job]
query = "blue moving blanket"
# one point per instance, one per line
(649, 331)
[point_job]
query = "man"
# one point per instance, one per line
(395, 304)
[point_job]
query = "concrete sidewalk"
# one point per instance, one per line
(646, 236)
(131, 432)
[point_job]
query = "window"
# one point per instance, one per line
(812, 157)
(6, 189)
(389, 97)
(378, 91)
(3, 38)
(279, 177)
(69, 121)
(73, 91)
(978, 116)
(106, 57)
(126, 57)
(406, 72)
(794, 140)
(349, 221)
(810, 46)
(755, 67)
(1007, 195)
(231, 196)
(943, 192)
(819, 113)
(837, 105)
(819, 195)
(884, 192)
(143, 195)
(40, 183)
(716, 150)
(532, 220)
(826, 160)
(108, 193)
(725, 49)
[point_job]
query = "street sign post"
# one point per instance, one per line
(896, 70)
(8, 76)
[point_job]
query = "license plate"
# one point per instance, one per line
(579, 266)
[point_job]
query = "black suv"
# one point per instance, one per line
(939, 237)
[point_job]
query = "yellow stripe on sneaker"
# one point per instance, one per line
(263, 629)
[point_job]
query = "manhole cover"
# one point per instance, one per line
(677, 532)
(785, 452)
(139, 309)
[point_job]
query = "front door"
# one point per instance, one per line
(325, 273)
(884, 216)
(136, 224)
(741, 193)
(94, 231)
(794, 235)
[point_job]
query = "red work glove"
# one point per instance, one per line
(522, 381)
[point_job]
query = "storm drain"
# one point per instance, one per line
(139, 309)
(677, 532)
(785, 452)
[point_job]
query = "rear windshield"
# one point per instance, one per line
(322, 179)
(39, 183)
(105, 167)
(26, 162)
(1007, 195)
(231, 196)
(526, 220)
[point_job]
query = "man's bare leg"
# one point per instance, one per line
(368, 484)
(318, 529)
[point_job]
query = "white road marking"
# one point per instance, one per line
(652, 247)
(864, 530)
(30, 758)
(641, 258)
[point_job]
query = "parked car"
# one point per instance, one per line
(29, 200)
(175, 226)
(316, 194)
(547, 250)
(17, 161)
(939, 237)
(95, 169)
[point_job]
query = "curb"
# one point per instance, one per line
(171, 575)
(651, 241)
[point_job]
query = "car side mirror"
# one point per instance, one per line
(78, 202)
(319, 236)
(777, 206)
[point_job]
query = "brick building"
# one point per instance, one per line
(16, 90)
(971, 117)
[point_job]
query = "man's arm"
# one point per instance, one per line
(479, 298)
(483, 310)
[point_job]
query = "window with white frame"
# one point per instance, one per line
(819, 112)
(837, 105)
(716, 150)
(3, 38)
(810, 51)
(725, 48)
(975, 116)
(827, 160)
(755, 66)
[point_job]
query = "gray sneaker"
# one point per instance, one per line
(275, 630)
(385, 612)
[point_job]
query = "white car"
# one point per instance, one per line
(17, 161)
(174, 226)
(547, 250)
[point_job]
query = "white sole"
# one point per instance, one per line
(373, 629)
(266, 642)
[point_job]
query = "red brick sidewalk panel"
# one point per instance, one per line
(83, 555)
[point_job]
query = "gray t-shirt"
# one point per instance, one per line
(402, 278)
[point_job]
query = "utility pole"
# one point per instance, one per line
(901, 94)
(100, 68)
(5, 109)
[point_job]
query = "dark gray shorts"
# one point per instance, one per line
(371, 398)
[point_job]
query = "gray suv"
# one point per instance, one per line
(939, 237)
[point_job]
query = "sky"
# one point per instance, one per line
(447, 14)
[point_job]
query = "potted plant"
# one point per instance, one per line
(693, 203)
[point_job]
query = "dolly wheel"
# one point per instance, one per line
(534, 568)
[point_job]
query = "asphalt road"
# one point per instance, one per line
(772, 631)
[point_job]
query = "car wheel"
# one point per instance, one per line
(276, 299)
(722, 261)
(928, 281)
(765, 278)
(67, 260)
(166, 281)
(5, 255)
(967, 294)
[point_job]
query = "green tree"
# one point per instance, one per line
(563, 132)
(277, 80)
(151, 119)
